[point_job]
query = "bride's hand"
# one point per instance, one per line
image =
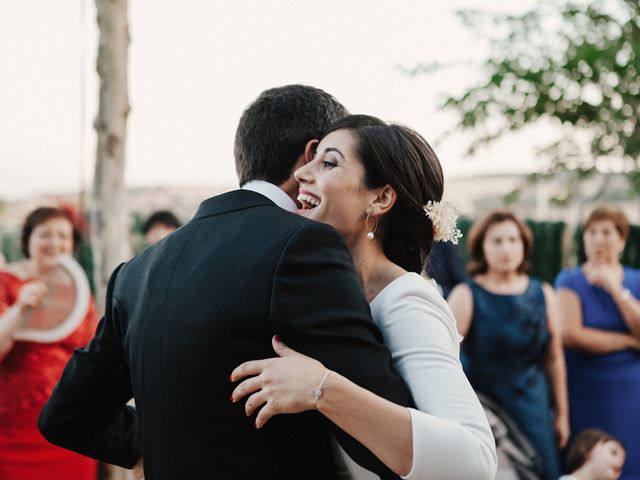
(283, 385)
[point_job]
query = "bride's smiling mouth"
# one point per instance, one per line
(308, 201)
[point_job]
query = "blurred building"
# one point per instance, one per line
(473, 196)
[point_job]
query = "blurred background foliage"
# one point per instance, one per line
(570, 64)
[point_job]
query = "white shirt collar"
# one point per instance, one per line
(273, 193)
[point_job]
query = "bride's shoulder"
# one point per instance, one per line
(414, 298)
(426, 287)
(412, 288)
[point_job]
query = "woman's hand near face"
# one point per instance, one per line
(604, 276)
(610, 277)
(278, 385)
(15, 317)
(31, 294)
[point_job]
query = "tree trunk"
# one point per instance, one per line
(109, 214)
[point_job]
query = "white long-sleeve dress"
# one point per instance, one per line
(451, 435)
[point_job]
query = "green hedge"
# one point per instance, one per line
(10, 246)
(547, 255)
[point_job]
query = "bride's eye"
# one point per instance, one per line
(328, 164)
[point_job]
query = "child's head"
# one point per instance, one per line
(601, 452)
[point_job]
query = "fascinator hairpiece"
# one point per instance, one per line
(443, 217)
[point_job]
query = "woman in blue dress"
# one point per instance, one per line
(512, 351)
(601, 312)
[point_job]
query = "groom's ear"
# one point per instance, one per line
(310, 150)
(290, 185)
(385, 200)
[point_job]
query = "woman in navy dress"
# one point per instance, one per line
(512, 351)
(600, 308)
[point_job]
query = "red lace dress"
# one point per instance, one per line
(27, 376)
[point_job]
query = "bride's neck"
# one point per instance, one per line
(374, 269)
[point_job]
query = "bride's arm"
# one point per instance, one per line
(287, 385)
(448, 438)
(451, 435)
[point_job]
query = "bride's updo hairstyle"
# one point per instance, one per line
(397, 156)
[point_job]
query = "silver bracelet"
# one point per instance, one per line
(318, 391)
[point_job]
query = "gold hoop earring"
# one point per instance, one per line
(371, 233)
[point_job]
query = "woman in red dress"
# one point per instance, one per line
(38, 334)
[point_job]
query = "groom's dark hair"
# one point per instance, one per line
(274, 130)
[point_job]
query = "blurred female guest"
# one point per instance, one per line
(601, 312)
(43, 318)
(513, 347)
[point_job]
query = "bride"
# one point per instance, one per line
(380, 186)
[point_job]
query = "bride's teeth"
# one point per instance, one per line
(308, 199)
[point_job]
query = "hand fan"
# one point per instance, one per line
(64, 306)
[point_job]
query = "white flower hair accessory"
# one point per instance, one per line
(443, 217)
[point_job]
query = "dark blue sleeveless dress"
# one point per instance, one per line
(503, 356)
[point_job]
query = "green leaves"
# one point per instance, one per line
(576, 63)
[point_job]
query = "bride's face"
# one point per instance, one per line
(332, 188)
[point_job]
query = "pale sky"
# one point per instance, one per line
(195, 65)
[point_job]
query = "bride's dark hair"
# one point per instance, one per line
(398, 156)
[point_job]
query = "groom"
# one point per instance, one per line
(183, 314)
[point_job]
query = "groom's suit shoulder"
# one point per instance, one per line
(239, 230)
(253, 214)
(246, 202)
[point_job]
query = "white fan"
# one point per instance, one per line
(64, 307)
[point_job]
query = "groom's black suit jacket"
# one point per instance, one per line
(183, 314)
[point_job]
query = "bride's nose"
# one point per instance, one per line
(303, 174)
